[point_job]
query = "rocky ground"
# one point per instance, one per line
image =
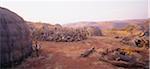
(66, 55)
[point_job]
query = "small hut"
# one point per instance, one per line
(15, 42)
(94, 31)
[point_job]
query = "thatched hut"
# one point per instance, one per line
(15, 42)
(94, 31)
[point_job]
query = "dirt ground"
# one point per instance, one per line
(66, 55)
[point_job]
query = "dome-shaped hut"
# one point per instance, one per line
(15, 42)
(94, 31)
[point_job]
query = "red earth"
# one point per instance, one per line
(66, 55)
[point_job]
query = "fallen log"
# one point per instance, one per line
(124, 60)
(87, 52)
(124, 64)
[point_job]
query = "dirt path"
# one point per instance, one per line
(65, 55)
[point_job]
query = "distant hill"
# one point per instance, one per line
(40, 25)
(104, 25)
(118, 24)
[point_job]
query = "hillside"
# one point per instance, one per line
(67, 54)
(106, 24)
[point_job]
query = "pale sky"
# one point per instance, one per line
(66, 11)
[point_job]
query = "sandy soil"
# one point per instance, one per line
(66, 55)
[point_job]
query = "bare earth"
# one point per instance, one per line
(65, 55)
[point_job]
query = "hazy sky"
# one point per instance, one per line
(78, 10)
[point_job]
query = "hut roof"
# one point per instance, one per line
(15, 42)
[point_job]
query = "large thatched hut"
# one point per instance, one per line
(15, 42)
